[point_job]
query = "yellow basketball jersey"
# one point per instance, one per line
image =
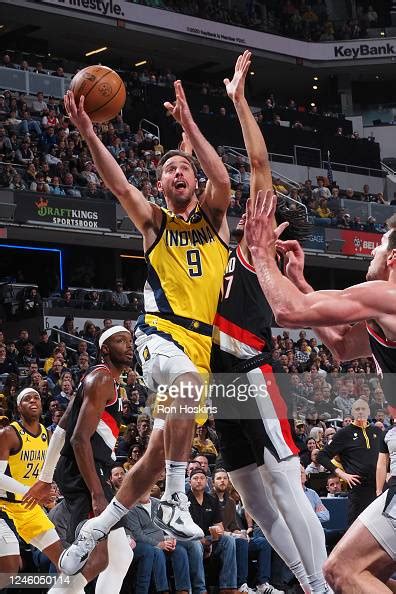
(185, 268)
(25, 464)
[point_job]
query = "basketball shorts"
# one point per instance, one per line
(29, 523)
(166, 350)
(381, 527)
(75, 491)
(259, 420)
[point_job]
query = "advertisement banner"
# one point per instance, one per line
(64, 213)
(316, 240)
(118, 10)
(359, 243)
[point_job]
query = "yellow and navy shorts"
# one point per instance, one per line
(168, 347)
(29, 523)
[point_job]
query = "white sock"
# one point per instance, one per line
(175, 478)
(109, 517)
(73, 584)
(120, 558)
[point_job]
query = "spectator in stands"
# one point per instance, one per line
(356, 447)
(134, 455)
(321, 511)
(314, 467)
(67, 299)
(7, 365)
(24, 154)
(69, 186)
(144, 429)
(27, 354)
(202, 443)
(119, 299)
(116, 477)
(38, 104)
(17, 183)
(323, 211)
(81, 368)
(44, 347)
(58, 72)
(28, 125)
(305, 454)
(128, 438)
(55, 187)
(66, 392)
(7, 62)
(206, 513)
(343, 401)
(333, 486)
(56, 417)
(153, 547)
(321, 191)
(93, 300)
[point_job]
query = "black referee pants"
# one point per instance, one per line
(359, 498)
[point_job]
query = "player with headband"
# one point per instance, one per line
(85, 439)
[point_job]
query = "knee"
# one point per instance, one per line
(336, 573)
(228, 542)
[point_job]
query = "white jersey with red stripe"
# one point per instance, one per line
(241, 344)
(104, 439)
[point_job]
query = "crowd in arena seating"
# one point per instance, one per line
(41, 152)
(294, 18)
(322, 394)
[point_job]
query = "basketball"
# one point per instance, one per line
(104, 92)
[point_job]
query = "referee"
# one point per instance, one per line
(357, 447)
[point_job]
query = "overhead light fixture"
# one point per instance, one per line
(316, 78)
(142, 63)
(315, 87)
(2, 26)
(313, 104)
(252, 73)
(96, 51)
(382, 33)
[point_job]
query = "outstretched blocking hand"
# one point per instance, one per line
(179, 110)
(261, 233)
(294, 260)
(236, 87)
(77, 113)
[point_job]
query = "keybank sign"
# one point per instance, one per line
(364, 50)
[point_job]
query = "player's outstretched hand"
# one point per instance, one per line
(294, 259)
(39, 493)
(260, 232)
(179, 109)
(77, 113)
(236, 87)
(186, 145)
(351, 479)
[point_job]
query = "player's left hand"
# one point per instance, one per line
(179, 110)
(39, 493)
(260, 232)
(294, 259)
(236, 87)
(186, 145)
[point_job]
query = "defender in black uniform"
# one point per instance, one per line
(88, 433)
(256, 435)
(366, 557)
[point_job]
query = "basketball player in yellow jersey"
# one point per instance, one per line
(186, 251)
(23, 449)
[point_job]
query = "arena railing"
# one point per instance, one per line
(143, 122)
(31, 83)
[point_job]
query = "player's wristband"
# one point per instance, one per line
(53, 454)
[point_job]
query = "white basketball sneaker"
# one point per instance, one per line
(174, 518)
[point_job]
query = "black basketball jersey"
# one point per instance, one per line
(104, 439)
(242, 326)
(384, 355)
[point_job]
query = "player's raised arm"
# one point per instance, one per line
(219, 188)
(142, 213)
(293, 308)
(261, 178)
(346, 342)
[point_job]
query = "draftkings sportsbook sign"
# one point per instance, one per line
(64, 213)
